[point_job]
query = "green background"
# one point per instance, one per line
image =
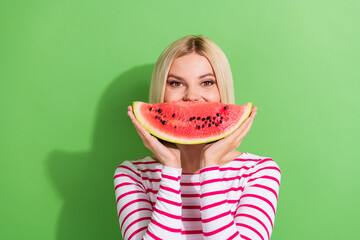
(69, 70)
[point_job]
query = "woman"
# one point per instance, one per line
(202, 191)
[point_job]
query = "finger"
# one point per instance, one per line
(140, 129)
(240, 132)
(246, 128)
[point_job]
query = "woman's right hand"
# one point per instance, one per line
(168, 155)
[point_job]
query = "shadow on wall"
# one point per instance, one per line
(85, 179)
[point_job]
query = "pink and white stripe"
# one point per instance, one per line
(235, 201)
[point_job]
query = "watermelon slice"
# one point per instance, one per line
(191, 122)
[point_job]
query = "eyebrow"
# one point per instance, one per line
(180, 78)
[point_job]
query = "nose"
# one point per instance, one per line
(191, 95)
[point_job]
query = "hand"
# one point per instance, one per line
(213, 153)
(167, 153)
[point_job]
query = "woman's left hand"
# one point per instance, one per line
(213, 153)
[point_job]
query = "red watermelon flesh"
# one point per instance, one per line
(191, 122)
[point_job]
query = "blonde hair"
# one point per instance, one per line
(186, 45)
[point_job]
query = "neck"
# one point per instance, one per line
(190, 157)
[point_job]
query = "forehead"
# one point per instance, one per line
(193, 63)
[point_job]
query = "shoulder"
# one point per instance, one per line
(261, 167)
(138, 166)
(261, 161)
(249, 160)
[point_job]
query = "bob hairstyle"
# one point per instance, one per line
(186, 45)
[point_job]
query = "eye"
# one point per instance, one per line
(174, 83)
(208, 83)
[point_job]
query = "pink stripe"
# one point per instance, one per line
(251, 228)
(167, 214)
(210, 181)
(152, 235)
(256, 219)
(265, 168)
(257, 208)
(132, 212)
(150, 170)
(266, 177)
(124, 184)
(190, 184)
(245, 237)
(234, 189)
(151, 179)
(138, 220)
(135, 232)
(216, 217)
(261, 198)
(208, 169)
(246, 160)
(234, 169)
(190, 195)
(233, 236)
(152, 191)
(190, 207)
(267, 188)
(125, 175)
(219, 229)
(212, 193)
(170, 177)
(128, 193)
(190, 219)
(148, 162)
(212, 205)
(126, 167)
(170, 189)
(174, 230)
(134, 201)
(191, 232)
(169, 201)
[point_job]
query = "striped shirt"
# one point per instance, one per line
(234, 201)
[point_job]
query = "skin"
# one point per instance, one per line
(185, 83)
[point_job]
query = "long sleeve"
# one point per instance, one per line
(137, 217)
(255, 214)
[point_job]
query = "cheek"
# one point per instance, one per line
(171, 95)
(214, 95)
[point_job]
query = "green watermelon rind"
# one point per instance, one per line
(163, 136)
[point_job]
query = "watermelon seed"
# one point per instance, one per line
(179, 118)
(205, 122)
(209, 125)
(226, 107)
(198, 127)
(203, 125)
(208, 118)
(216, 124)
(218, 114)
(156, 117)
(221, 117)
(203, 119)
(159, 110)
(214, 118)
(220, 121)
(163, 122)
(198, 118)
(175, 127)
(173, 115)
(150, 109)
